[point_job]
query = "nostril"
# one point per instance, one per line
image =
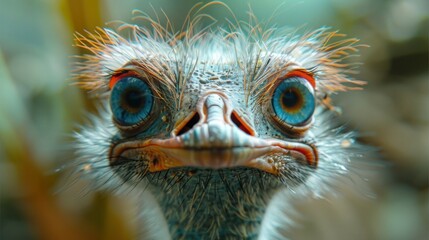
(188, 125)
(241, 124)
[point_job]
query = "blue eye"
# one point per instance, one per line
(131, 101)
(293, 101)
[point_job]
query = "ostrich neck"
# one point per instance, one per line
(215, 207)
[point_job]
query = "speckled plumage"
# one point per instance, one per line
(242, 63)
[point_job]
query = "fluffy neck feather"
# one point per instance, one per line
(217, 204)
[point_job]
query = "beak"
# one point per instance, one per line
(220, 139)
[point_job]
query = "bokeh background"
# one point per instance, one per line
(40, 108)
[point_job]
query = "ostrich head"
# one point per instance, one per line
(214, 122)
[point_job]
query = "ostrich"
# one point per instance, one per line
(212, 123)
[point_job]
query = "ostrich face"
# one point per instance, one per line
(213, 128)
(214, 119)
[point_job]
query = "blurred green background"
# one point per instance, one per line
(40, 108)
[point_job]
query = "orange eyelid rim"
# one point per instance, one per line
(120, 75)
(302, 74)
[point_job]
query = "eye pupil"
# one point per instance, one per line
(133, 100)
(290, 98)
